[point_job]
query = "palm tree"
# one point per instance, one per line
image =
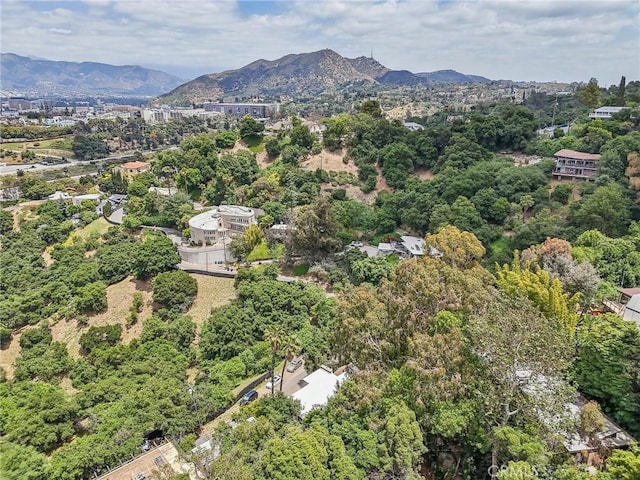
(290, 348)
(274, 334)
(526, 202)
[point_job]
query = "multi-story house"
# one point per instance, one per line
(572, 164)
(221, 222)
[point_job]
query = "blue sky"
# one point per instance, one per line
(542, 40)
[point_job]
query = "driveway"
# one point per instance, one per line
(291, 383)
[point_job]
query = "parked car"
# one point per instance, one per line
(250, 396)
(275, 381)
(140, 476)
(295, 364)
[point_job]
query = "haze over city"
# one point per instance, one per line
(566, 40)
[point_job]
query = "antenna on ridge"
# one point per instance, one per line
(372, 54)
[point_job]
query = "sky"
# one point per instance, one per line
(537, 40)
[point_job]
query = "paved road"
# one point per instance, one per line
(35, 167)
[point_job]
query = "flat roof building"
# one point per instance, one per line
(605, 113)
(319, 387)
(221, 222)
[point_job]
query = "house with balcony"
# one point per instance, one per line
(605, 113)
(572, 164)
(627, 304)
(221, 222)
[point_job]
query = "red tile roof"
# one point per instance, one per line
(135, 165)
(566, 153)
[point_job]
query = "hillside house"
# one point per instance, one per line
(318, 388)
(407, 247)
(572, 164)
(627, 305)
(605, 113)
(133, 168)
(221, 222)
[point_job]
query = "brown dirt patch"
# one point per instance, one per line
(329, 161)
(354, 193)
(425, 174)
(46, 256)
(9, 354)
(65, 384)
(263, 159)
(213, 292)
(119, 300)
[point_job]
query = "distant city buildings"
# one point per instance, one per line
(257, 110)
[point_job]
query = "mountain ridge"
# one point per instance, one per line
(28, 75)
(300, 74)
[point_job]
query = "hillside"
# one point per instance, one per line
(26, 75)
(295, 74)
(303, 74)
(451, 76)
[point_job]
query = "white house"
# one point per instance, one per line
(319, 387)
(627, 305)
(605, 113)
(408, 246)
(221, 222)
(413, 126)
(92, 197)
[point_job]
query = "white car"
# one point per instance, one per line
(276, 381)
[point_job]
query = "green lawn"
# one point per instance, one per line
(57, 143)
(300, 270)
(96, 228)
(263, 252)
(254, 143)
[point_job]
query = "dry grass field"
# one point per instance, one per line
(119, 300)
(212, 292)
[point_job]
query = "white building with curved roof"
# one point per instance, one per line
(221, 222)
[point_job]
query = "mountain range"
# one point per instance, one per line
(303, 74)
(38, 76)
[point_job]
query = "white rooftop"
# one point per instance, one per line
(415, 245)
(385, 247)
(631, 310)
(321, 385)
(210, 220)
(88, 196)
(58, 195)
(610, 109)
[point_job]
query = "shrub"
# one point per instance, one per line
(175, 289)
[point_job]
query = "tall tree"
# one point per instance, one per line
(290, 348)
(459, 249)
(539, 287)
(523, 355)
(621, 91)
(608, 366)
(275, 336)
(315, 230)
(590, 94)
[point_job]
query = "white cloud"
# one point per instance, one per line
(564, 40)
(60, 31)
